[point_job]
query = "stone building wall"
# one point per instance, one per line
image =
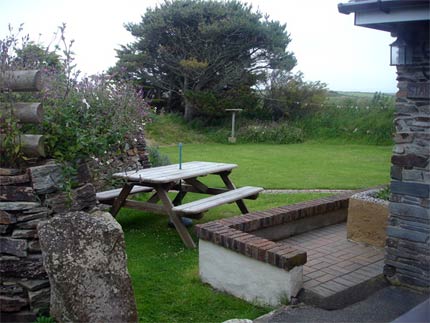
(408, 243)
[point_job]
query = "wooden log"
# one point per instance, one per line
(20, 81)
(31, 145)
(13, 180)
(23, 112)
(10, 171)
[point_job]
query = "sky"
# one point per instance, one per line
(327, 45)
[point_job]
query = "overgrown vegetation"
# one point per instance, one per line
(88, 117)
(342, 118)
(352, 124)
(289, 97)
(272, 133)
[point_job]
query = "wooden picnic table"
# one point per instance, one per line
(164, 179)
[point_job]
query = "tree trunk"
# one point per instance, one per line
(189, 110)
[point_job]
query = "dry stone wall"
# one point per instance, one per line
(28, 197)
(408, 244)
(134, 157)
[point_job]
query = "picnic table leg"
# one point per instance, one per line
(154, 198)
(120, 200)
(229, 184)
(179, 226)
(178, 199)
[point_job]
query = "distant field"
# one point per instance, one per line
(355, 94)
(359, 98)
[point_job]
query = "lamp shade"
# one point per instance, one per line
(401, 53)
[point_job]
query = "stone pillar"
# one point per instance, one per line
(407, 259)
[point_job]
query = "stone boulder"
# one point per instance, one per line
(84, 256)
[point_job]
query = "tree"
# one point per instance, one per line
(288, 96)
(34, 55)
(190, 46)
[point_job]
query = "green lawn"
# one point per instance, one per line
(165, 274)
(299, 166)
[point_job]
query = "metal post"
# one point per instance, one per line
(233, 121)
(232, 138)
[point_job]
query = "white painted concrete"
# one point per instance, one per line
(247, 278)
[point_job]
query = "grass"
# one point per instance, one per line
(298, 166)
(171, 128)
(165, 274)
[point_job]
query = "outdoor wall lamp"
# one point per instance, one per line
(401, 52)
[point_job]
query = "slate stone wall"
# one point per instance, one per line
(135, 157)
(408, 244)
(27, 197)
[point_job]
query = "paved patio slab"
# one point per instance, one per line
(337, 267)
(384, 305)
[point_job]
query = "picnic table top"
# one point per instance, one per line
(171, 173)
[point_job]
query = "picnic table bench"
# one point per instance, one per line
(181, 180)
(112, 194)
(196, 208)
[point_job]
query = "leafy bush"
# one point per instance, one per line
(44, 319)
(289, 97)
(270, 133)
(370, 125)
(384, 193)
(84, 118)
(95, 117)
(157, 158)
(212, 104)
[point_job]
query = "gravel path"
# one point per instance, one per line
(306, 191)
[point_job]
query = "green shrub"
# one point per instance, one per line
(93, 118)
(212, 104)
(274, 133)
(289, 97)
(384, 193)
(157, 158)
(44, 319)
(366, 125)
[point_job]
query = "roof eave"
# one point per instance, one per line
(381, 5)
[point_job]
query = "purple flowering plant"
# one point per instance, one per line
(84, 116)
